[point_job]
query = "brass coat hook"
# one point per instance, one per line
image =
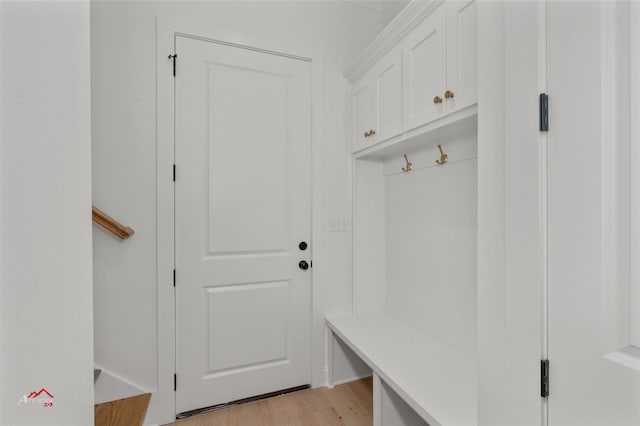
(409, 166)
(443, 157)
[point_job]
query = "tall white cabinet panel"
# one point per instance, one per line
(424, 52)
(462, 53)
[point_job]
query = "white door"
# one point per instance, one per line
(242, 208)
(593, 353)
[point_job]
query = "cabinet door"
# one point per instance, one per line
(462, 54)
(363, 113)
(387, 81)
(425, 71)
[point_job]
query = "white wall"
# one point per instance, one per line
(431, 235)
(46, 326)
(123, 42)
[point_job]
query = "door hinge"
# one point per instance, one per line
(174, 172)
(544, 378)
(544, 112)
(174, 56)
(175, 382)
(174, 277)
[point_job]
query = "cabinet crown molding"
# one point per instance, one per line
(406, 21)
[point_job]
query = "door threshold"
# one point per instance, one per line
(240, 401)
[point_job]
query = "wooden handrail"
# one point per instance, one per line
(111, 225)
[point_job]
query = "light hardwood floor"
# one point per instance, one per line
(127, 411)
(350, 404)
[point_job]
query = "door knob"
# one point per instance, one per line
(303, 265)
(302, 246)
(437, 100)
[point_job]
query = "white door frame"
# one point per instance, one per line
(511, 208)
(162, 406)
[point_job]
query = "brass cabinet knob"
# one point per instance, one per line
(448, 94)
(366, 134)
(437, 100)
(372, 132)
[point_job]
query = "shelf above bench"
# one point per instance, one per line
(454, 123)
(436, 380)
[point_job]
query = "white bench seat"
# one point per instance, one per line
(436, 380)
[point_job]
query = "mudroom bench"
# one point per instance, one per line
(417, 378)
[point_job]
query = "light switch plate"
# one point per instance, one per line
(338, 224)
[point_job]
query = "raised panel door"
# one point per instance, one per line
(242, 205)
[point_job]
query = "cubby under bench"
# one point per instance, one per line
(417, 378)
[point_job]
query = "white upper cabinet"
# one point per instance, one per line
(419, 74)
(377, 102)
(440, 62)
(425, 76)
(363, 112)
(387, 79)
(462, 54)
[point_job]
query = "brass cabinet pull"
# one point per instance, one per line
(372, 132)
(437, 100)
(366, 134)
(448, 94)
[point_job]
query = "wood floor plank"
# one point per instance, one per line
(122, 412)
(317, 410)
(349, 404)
